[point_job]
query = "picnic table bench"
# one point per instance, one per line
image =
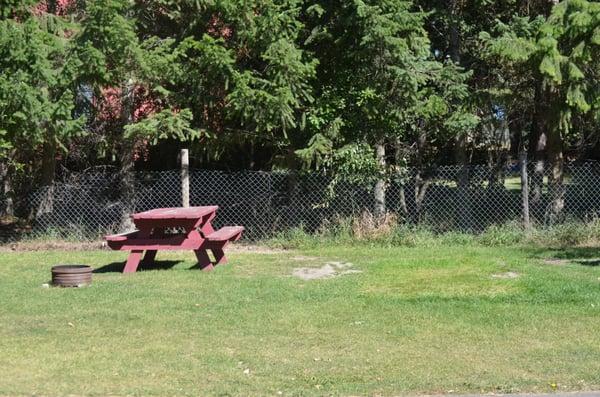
(196, 233)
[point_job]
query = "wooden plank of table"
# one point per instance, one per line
(177, 242)
(176, 213)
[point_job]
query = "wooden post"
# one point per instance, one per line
(185, 178)
(379, 191)
(524, 189)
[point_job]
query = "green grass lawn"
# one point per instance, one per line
(416, 320)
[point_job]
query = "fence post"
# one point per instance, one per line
(524, 189)
(185, 178)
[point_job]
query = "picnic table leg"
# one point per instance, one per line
(149, 257)
(203, 260)
(133, 260)
(220, 257)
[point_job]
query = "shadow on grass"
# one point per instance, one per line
(589, 262)
(585, 256)
(117, 267)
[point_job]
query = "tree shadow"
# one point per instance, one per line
(585, 256)
(575, 253)
(589, 262)
(117, 267)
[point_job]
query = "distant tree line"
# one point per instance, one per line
(345, 87)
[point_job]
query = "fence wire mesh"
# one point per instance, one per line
(91, 204)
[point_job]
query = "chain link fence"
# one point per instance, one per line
(88, 205)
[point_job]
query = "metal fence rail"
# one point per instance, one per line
(90, 204)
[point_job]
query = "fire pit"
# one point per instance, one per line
(71, 275)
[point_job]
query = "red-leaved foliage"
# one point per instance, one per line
(63, 7)
(217, 28)
(110, 104)
(109, 112)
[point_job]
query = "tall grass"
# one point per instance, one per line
(365, 229)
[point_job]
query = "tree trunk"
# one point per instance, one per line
(402, 201)
(421, 184)
(421, 187)
(127, 184)
(549, 139)
(399, 163)
(537, 145)
(379, 191)
(497, 164)
(524, 189)
(498, 153)
(46, 191)
(454, 34)
(537, 179)
(540, 127)
(554, 148)
(556, 186)
(126, 160)
(8, 208)
(499, 170)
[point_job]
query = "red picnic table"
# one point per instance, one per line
(198, 235)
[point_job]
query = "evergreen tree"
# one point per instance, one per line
(242, 73)
(561, 56)
(379, 84)
(36, 95)
(130, 103)
(568, 50)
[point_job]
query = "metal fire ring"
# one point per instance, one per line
(71, 275)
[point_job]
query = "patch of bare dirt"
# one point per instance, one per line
(302, 258)
(328, 270)
(556, 262)
(255, 249)
(53, 246)
(506, 276)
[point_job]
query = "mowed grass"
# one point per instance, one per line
(416, 320)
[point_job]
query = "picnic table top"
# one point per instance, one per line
(176, 213)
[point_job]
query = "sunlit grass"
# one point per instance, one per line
(416, 320)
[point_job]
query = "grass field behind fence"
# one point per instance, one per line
(426, 319)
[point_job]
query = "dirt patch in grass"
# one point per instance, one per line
(556, 261)
(53, 245)
(505, 276)
(328, 270)
(255, 249)
(302, 258)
